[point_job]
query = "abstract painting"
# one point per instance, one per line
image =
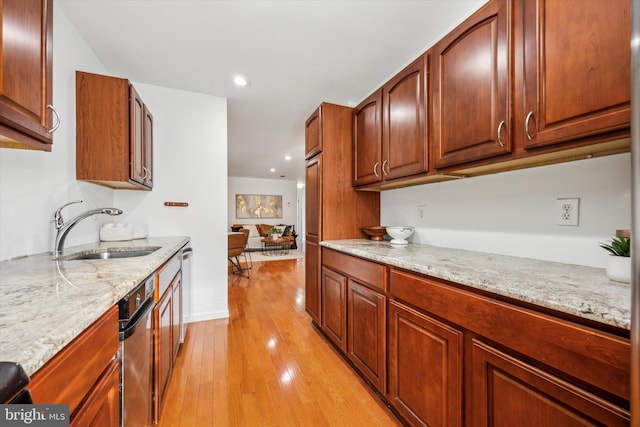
(258, 206)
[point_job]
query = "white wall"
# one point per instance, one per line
(34, 184)
(190, 165)
(287, 188)
(513, 212)
(190, 152)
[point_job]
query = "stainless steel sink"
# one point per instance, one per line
(110, 253)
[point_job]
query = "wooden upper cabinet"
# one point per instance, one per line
(114, 133)
(148, 148)
(136, 137)
(141, 140)
(470, 80)
(367, 140)
(390, 128)
(404, 136)
(26, 70)
(576, 69)
(313, 134)
(334, 209)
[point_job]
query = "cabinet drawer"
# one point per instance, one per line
(365, 271)
(595, 357)
(166, 273)
(70, 375)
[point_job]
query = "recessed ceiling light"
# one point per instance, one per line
(241, 80)
(272, 170)
(287, 157)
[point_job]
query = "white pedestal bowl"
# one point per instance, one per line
(399, 235)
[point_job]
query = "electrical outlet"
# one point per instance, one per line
(567, 212)
(422, 213)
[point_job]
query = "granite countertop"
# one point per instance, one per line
(45, 303)
(581, 291)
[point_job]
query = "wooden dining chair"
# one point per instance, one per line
(236, 245)
(246, 247)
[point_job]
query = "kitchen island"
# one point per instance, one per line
(45, 304)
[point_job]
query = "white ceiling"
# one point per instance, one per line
(296, 53)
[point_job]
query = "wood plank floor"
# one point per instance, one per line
(267, 365)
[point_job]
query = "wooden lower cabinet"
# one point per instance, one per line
(366, 337)
(166, 328)
(102, 406)
(175, 316)
(354, 310)
(425, 368)
(163, 348)
(334, 307)
(509, 392)
(85, 375)
(312, 288)
(445, 355)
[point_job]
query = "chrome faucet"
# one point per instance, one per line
(63, 228)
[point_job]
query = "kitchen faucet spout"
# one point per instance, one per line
(63, 228)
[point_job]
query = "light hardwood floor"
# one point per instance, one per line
(267, 365)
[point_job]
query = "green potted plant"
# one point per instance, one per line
(275, 233)
(619, 263)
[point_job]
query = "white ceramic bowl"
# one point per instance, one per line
(399, 235)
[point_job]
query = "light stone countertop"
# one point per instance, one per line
(44, 304)
(582, 291)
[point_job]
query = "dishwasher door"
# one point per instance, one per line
(136, 346)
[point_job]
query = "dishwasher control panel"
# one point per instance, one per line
(128, 305)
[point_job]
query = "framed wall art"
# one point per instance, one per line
(258, 206)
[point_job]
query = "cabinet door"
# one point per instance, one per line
(175, 316)
(334, 307)
(26, 61)
(136, 137)
(577, 69)
(425, 368)
(313, 197)
(313, 193)
(148, 148)
(312, 291)
(163, 353)
(470, 69)
(367, 140)
(101, 408)
(313, 134)
(404, 124)
(73, 372)
(506, 391)
(366, 343)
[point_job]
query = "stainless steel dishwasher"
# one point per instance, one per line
(136, 351)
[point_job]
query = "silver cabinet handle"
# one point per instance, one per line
(57, 115)
(500, 126)
(146, 173)
(386, 162)
(375, 169)
(526, 125)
